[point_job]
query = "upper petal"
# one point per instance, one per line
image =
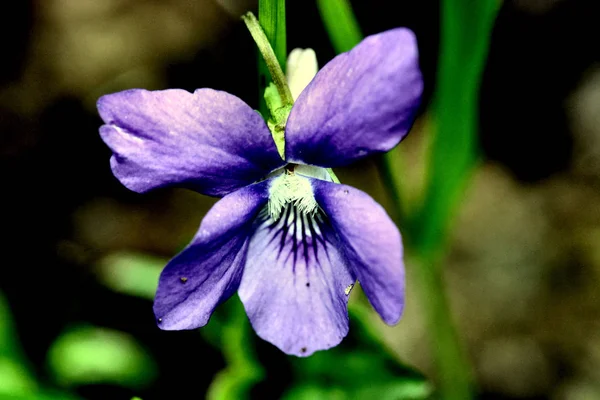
(209, 140)
(371, 243)
(361, 102)
(294, 283)
(300, 70)
(209, 269)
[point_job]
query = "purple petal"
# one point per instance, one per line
(362, 102)
(371, 243)
(208, 271)
(208, 141)
(294, 283)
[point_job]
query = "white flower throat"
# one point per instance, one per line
(291, 186)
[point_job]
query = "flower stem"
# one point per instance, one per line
(340, 23)
(271, 15)
(388, 170)
(465, 33)
(264, 46)
(453, 368)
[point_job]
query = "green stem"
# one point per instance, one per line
(388, 167)
(340, 23)
(271, 15)
(465, 31)
(264, 46)
(243, 370)
(453, 368)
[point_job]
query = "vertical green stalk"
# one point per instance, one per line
(454, 370)
(340, 23)
(389, 165)
(271, 15)
(270, 59)
(465, 32)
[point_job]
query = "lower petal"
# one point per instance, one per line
(371, 243)
(294, 285)
(208, 270)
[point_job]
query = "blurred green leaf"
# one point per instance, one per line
(315, 392)
(386, 391)
(44, 395)
(230, 331)
(8, 335)
(355, 368)
(15, 379)
(137, 274)
(6, 328)
(355, 374)
(131, 273)
(356, 371)
(85, 355)
(396, 390)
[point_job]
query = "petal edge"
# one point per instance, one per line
(209, 269)
(371, 243)
(293, 287)
(361, 102)
(208, 141)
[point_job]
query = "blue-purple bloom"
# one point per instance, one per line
(285, 236)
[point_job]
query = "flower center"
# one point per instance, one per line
(292, 187)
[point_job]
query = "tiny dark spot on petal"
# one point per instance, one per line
(307, 284)
(183, 279)
(346, 191)
(303, 350)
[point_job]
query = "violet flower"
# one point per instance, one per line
(285, 236)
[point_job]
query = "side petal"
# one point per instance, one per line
(208, 141)
(294, 283)
(371, 243)
(209, 269)
(361, 102)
